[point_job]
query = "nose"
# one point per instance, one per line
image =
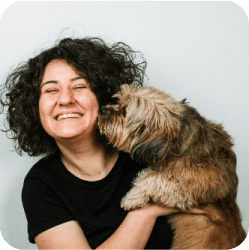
(66, 97)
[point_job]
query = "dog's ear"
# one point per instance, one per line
(153, 151)
(184, 101)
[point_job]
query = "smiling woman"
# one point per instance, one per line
(71, 197)
(66, 96)
(103, 67)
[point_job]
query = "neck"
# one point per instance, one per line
(89, 160)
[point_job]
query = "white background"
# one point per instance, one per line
(194, 50)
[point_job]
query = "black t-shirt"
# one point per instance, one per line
(52, 195)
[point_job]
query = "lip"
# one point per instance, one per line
(66, 115)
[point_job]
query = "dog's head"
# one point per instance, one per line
(143, 122)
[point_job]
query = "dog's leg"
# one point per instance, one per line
(158, 188)
(138, 196)
(182, 184)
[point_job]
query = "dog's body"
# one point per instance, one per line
(190, 161)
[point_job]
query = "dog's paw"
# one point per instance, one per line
(132, 201)
(129, 204)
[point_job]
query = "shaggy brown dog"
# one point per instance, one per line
(191, 165)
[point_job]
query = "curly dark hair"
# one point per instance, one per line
(105, 67)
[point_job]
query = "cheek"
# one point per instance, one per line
(44, 110)
(95, 116)
(92, 106)
(42, 105)
(47, 104)
(41, 110)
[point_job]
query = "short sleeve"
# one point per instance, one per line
(43, 208)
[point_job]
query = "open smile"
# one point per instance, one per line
(70, 115)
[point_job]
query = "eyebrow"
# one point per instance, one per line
(55, 82)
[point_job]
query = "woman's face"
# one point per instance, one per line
(68, 108)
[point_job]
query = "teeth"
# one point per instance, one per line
(60, 117)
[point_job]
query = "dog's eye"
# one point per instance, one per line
(123, 111)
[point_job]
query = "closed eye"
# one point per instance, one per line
(80, 86)
(50, 90)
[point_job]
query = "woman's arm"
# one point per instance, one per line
(133, 233)
(68, 235)
(136, 229)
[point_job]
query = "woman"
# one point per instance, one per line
(71, 196)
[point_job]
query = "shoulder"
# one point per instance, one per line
(41, 186)
(40, 175)
(42, 167)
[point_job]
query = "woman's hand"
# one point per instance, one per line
(155, 210)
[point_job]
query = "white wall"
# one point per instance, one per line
(197, 50)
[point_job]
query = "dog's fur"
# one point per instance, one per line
(190, 161)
